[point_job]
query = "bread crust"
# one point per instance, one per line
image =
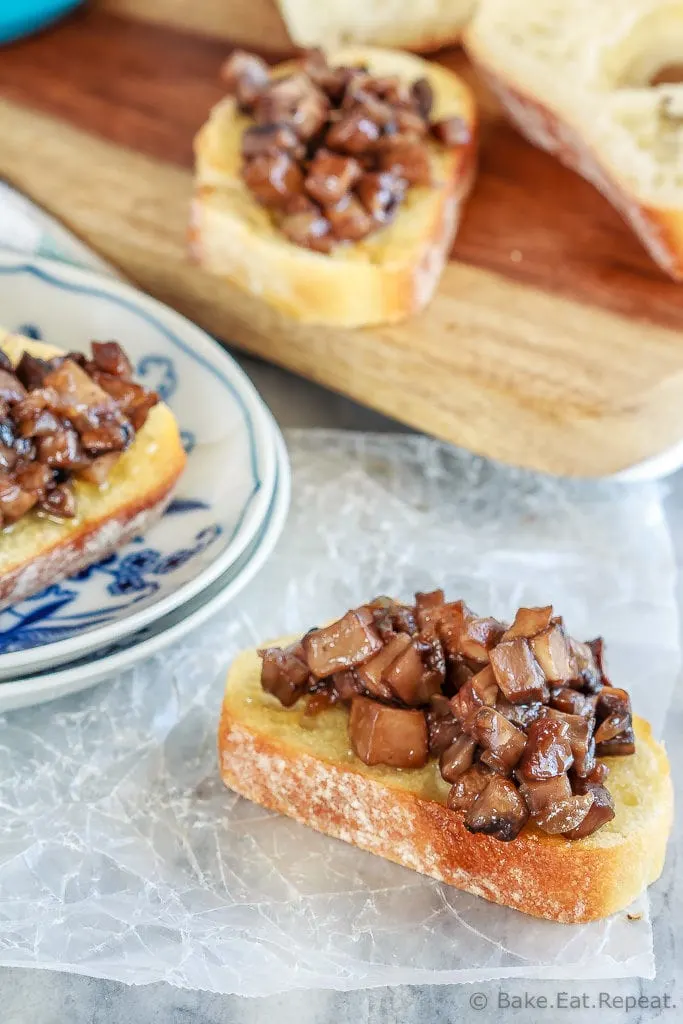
(660, 229)
(311, 287)
(544, 876)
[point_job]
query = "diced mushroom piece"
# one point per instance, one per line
(246, 77)
(410, 125)
(354, 133)
(310, 230)
(11, 388)
(34, 478)
(284, 673)
(442, 725)
(90, 409)
(580, 732)
(457, 758)
(498, 811)
(540, 794)
(599, 773)
(620, 746)
(452, 131)
(406, 158)
(350, 641)
(14, 503)
(33, 419)
(62, 450)
(32, 371)
(503, 743)
(588, 675)
(428, 608)
(517, 672)
(384, 735)
(417, 673)
(109, 357)
(59, 502)
(613, 710)
(349, 220)
(529, 621)
(346, 684)
(477, 692)
(479, 637)
(273, 179)
(271, 139)
(597, 649)
(521, 715)
(370, 674)
(548, 751)
(572, 702)
(295, 101)
(380, 193)
(392, 617)
(331, 176)
(600, 812)
(422, 96)
(553, 806)
(552, 652)
(468, 787)
(132, 399)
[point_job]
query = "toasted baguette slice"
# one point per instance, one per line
(388, 275)
(305, 768)
(422, 26)
(574, 77)
(37, 551)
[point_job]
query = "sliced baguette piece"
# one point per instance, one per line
(37, 551)
(302, 766)
(389, 275)
(574, 76)
(422, 26)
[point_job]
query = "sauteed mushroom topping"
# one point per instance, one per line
(351, 144)
(515, 715)
(64, 419)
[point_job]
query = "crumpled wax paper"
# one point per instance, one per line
(123, 856)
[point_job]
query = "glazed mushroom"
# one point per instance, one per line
(386, 735)
(499, 811)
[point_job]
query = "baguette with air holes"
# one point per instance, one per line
(304, 768)
(595, 85)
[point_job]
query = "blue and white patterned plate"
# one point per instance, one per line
(221, 500)
(123, 654)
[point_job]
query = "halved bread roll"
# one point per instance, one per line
(303, 766)
(38, 550)
(385, 277)
(422, 26)
(577, 79)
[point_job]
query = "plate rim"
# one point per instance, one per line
(82, 677)
(258, 420)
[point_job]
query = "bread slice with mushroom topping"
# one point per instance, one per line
(311, 765)
(114, 497)
(600, 86)
(382, 247)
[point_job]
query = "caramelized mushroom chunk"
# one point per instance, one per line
(331, 176)
(517, 672)
(478, 691)
(284, 673)
(417, 673)
(349, 220)
(246, 76)
(385, 735)
(452, 131)
(442, 725)
(529, 621)
(498, 811)
(468, 787)
(548, 751)
(350, 641)
(457, 758)
(273, 179)
(371, 673)
(503, 744)
(600, 812)
(310, 230)
(552, 652)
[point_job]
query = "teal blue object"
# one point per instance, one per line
(21, 17)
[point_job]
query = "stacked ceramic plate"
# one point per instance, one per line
(226, 516)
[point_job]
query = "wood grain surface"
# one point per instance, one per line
(245, 22)
(554, 341)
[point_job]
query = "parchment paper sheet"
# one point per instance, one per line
(122, 855)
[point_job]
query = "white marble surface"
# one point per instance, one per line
(44, 997)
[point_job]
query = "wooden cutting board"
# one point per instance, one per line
(554, 341)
